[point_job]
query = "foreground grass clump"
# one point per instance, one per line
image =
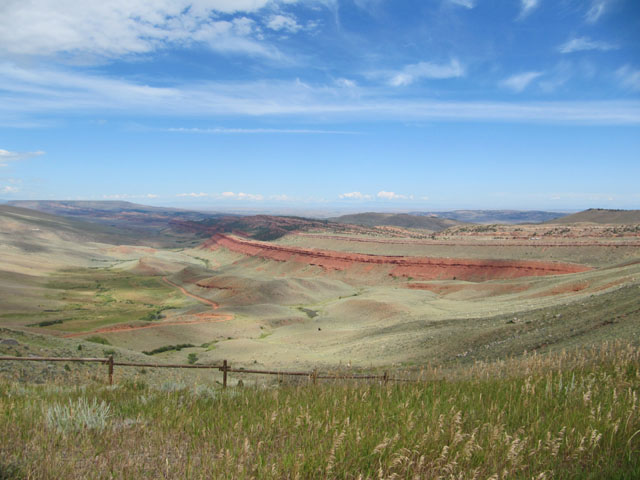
(78, 415)
(563, 416)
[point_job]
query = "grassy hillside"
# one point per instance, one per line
(139, 223)
(91, 207)
(567, 416)
(601, 215)
(28, 223)
(404, 220)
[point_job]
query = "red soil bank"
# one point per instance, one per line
(422, 268)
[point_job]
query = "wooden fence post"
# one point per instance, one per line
(386, 377)
(110, 362)
(224, 374)
(315, 376)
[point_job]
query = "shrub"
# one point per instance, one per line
(168, 348)
(45, 323)
(97, 339)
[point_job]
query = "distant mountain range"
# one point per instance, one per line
(495, 216)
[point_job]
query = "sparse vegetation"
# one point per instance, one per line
(310, 313)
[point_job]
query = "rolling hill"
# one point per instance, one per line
(495, 216)
(404, 220)
(601, 215)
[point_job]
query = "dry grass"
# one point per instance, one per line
(567, 415)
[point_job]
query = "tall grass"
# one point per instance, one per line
(569, 415)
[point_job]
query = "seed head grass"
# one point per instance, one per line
(563, 416)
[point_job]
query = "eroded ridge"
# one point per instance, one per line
(423, 268)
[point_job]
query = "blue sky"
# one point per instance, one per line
(322, 104)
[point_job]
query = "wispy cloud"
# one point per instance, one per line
(355, 196)
(629, 77)
(346, 83)
(527, 6)
(584, 43)
(128, 196)
(464, 3)
(193, 195)
(6, 156)
(597, 9)
(26, 93)
(281, 198)
(418, 71)
(520, 81)
(240, 131)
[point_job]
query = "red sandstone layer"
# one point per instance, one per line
(422, 268)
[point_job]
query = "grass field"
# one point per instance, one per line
(564, 416)
(88, 299)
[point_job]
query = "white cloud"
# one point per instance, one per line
(417, 71)
(528, 6)
(519, 82)
(629, 77)
(464, 3)
(583, 43)
(9, 189)
(355, 196)
(390, 196)
(241, 196)
(6, 156)
(121, 27)
(192, 194)
(283, 22)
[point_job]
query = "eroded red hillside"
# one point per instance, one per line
(422, 268)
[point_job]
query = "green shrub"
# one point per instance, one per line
(45, 323)
(168, 348)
